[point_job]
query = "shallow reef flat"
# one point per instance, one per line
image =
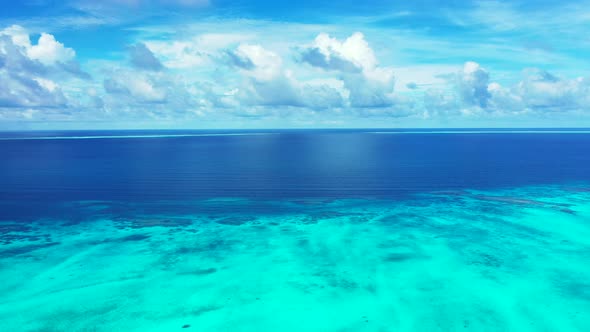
(504, 260)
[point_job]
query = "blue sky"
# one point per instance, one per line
(306, 64)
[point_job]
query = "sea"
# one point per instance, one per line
(295, 230)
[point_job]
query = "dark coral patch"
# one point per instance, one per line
(235, 220)
(151, 222)
(508, 199)
(313, 218)
(573, 287)
(204, 309)
(128, 238)
(407, 220)
(200, 272)
(485, 259)
(568, 211)
(11, 238)
(401, 257)
(577, 189)
(133, 238)
(25, 249)
(17, 232)
(14, 227)
(210, 247)
(205, 271)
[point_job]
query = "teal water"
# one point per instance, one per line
(512, 259)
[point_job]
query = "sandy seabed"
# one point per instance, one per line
(504, 260)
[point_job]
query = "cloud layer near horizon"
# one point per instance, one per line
(227, 76)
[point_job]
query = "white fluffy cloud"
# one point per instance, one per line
(257, 62)
(438, 102)
(139, 95)
(178, 54)
(353, 54)
(49, 51)
(27, 70)
(473, 92)
(22, 91)
(140, 88)
(368, 84)
(542, 90)
(470, 91)
(18, 35)
(472, 83)
(269, 83)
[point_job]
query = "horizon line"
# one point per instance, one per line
(302, 129)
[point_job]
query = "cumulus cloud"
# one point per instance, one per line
(287, 91)
(365, 92)
(18, 35)
(141, 95)
(472, 83)
(136, 88)
(472, 92)
(257, 62)
(49, 51)
(197, 51)
(269, 83)
(503, 100)
(28, 71)
(21, 91)
(141, 57)
(540, 90)
(369, 85)
(178, 54)
(438, 102)
(352, 55)
(237, 60)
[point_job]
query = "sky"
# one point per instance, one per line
(166, 64)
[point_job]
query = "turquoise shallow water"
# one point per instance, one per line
(503, 260)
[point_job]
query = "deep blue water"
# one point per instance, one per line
(38, 174)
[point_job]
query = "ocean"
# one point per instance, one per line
(295, 230)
